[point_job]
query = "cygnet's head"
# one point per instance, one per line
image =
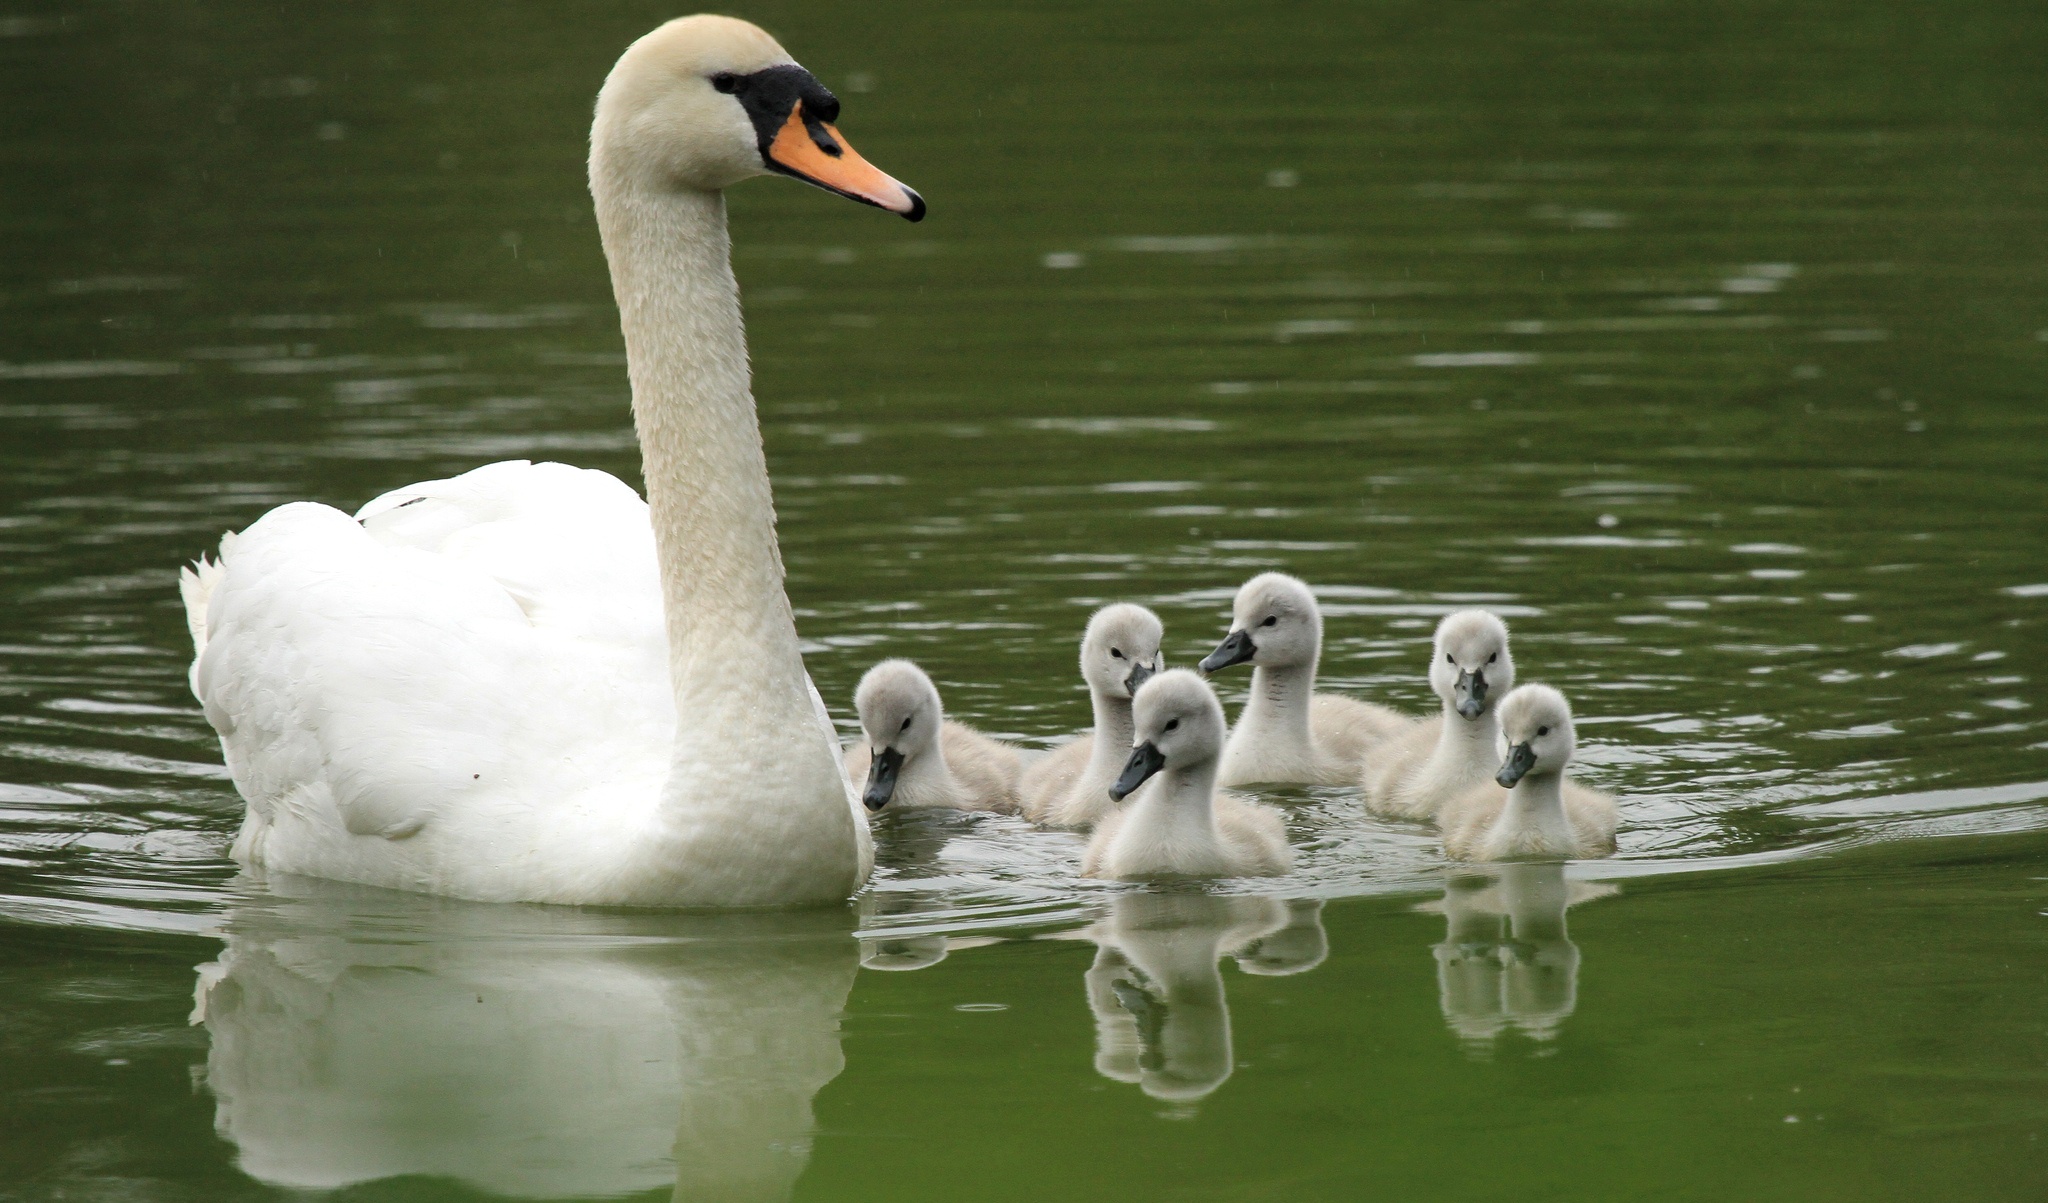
(900, 715)
(704, 102)
(1471, 667)
(1536, 721)
(1178, 724)
(1274, 624)
(1120, 650)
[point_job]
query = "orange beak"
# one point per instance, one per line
(816, 153)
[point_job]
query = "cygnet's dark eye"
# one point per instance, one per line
(905, 726)
(1114, 652)
(1542, 730)
(1173, 724)
(1492, 658)
(1449, 661)
(726, 82)
(1271, 620)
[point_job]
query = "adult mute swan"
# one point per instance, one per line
(523, 684)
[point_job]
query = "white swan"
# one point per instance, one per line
(1069, 786)
(472, 690)
(1435, 760)
(1538, 815)
(1182, 827)
(914, 756)
(1287, 731)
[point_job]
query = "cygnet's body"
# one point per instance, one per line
(1069, 786)
(1181, 826)
(1538, 815)
(1287, 731)
(1458, 751)
(913, 756)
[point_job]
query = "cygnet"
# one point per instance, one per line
(1436, 760)
(913, 757)
(1534, 813)
(1287, 731)
(1182, 827)
(1069, 786)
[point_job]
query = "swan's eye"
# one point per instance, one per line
(905, 726)
(726, 82)
(1271, 620)
(1492, 658)
(1449, 661)
(1173, 725)
(1542, 730)
(1114, 652)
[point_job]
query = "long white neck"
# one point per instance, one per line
(1113, 739)
(1276, 715)
(1465, 748)
(750, 751)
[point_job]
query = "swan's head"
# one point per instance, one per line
(900, 716)
(1471, 668)
(1120, 650)
(704, 102)
(1274, 624)
(1178, 724)
(1536, 721)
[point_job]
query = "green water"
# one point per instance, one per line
(1706, 343)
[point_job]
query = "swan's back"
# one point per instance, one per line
(477, 666)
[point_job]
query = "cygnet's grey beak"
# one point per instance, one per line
(1141, 672)
(1236, 648)
(882, 778)
(1521, 758)
(1470, 693)
(1145, 760)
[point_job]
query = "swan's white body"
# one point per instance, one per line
(523, 683)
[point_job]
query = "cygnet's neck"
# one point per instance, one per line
(1465, 748)
(1535, 807)
(1178, 806)
(926, 779)
(1114, 729)
(1276, 715)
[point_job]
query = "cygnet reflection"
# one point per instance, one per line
(1507, 960)
(1162, 1020)
(895, 952)
(360, 1035)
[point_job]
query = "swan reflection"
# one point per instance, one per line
(1162, 1021)
(359, 1035)
(1506, 960)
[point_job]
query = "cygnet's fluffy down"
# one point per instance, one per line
(1181, 826)
(912, 756)
(1457, 751)
(1287, 731)
(1532, 812)
(1069, 786)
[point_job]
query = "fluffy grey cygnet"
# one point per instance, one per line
(1069, 786)
(1531, 812)
(1471, 669)
(1181, 826)
(913, 756)
(1287, 731)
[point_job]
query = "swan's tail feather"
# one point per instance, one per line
(195, 585)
